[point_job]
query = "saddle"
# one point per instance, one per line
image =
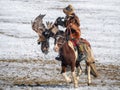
(84, 41)
(79, 48)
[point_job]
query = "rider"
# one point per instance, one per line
(72, 24)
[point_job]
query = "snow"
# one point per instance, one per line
(100, 24)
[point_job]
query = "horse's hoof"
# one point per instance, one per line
(69, 81)
(89, 84)
(75, 86)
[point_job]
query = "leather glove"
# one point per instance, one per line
(59, 21)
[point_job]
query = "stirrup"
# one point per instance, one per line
(81, 57)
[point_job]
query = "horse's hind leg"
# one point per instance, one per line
(78, 69)
(67, 79)
(79, 72)
(89, 76)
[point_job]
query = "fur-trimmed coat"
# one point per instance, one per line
(72, 24)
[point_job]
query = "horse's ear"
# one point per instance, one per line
(49, 25)
(46, 23)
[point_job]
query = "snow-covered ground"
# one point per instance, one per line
(100, 24)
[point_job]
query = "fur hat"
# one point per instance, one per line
(68, 10)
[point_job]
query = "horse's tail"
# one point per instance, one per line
(90, 60)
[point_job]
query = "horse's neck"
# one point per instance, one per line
(70, 44)
(69, 48)
(67, 45)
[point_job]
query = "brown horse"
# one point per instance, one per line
(69, 57)
(68, 52)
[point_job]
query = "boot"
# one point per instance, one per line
(81, 55)
(58, 58)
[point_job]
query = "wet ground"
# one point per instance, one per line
(39, 73)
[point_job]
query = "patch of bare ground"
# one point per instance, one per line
(47, 72)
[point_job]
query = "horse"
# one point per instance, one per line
(39, 27)
(69, 55)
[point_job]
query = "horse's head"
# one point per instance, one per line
(60, 40)
(39, 28)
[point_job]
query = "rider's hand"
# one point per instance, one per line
(59, 21)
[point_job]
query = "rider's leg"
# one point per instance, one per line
(80, 54)
(80, 49)
(59, 58)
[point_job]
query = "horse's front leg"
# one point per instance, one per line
(74, 76)
(67, 79)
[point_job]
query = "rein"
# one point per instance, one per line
(60, 36)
